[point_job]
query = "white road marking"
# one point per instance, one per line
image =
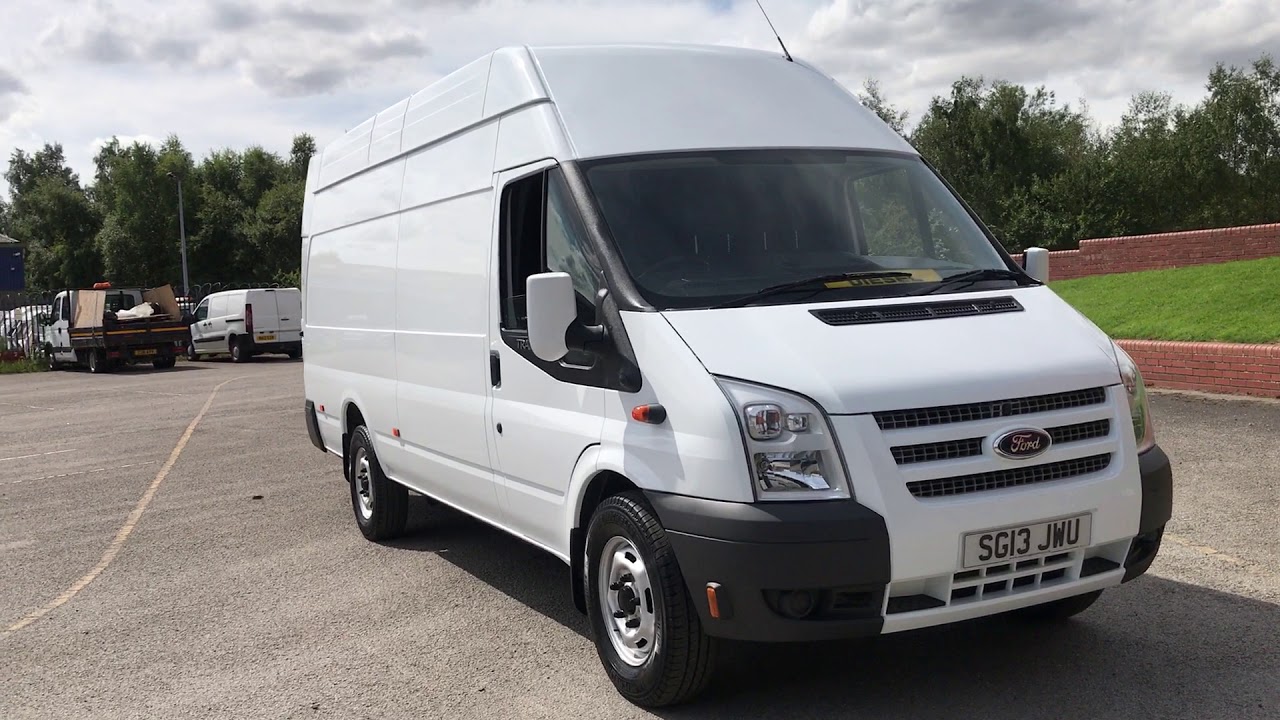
(78, 473)
(29, 407)
(24, 457)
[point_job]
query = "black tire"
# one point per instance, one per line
(240, 349)
(98, 362)
(164, 363)
(295, 353)
(389, 500)
(1059, 610)
(53, 361)
(683, 657)
(192, 355)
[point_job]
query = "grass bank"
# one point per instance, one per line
(1225, 302)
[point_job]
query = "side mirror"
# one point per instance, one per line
(552, 309)
(1036, 262)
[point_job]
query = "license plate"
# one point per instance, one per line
(140, 353)
(1023, 541)
(266, 338)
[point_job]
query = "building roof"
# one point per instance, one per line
(625, 99)
(6, 240)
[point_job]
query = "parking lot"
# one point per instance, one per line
(154, 566)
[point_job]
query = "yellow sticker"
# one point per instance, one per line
(920, 275)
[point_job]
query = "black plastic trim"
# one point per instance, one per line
(313, 425)
(751, 549)
(1157, 489)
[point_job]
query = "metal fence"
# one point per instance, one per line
(23, 313)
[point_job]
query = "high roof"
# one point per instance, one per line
(625, 99)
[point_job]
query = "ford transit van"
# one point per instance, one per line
(699, 324)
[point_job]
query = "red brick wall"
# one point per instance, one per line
(1164, 250)
(1208, 367)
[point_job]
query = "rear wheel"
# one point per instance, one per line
(1059, 610)
(646, 629)
(164, 363)
(295, 353)
(381, 504)
(239, 349)
(98, 362)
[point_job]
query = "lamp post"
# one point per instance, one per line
(182, 229)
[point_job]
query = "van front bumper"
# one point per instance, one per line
(805, 571)
(791, 571)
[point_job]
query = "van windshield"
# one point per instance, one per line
(698, 229)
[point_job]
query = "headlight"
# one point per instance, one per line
(1139, 410)
(791, 448)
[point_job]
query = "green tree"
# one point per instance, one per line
(51, 213)
(139, 240)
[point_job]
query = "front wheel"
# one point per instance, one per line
(53, 360)
(646, 629)
(192, 355)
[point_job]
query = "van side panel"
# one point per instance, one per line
(350, 329)
(513, 81)
(448, 106)
(442, 320)
(530, 135)
(384, 142)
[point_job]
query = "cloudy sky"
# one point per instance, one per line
(228, 73)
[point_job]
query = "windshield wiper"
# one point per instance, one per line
(970, 277)
(807, 282)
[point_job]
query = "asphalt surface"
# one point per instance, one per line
(244, 589)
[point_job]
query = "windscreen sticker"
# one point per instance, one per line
(917, 276)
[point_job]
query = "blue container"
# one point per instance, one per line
(12, 270)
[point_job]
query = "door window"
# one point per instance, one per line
(202, 310)
(541, 232)
(57, 308)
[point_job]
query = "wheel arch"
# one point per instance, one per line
(593, 483)
(352, 417)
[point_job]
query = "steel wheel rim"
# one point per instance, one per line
(627, 601)
(363, 484)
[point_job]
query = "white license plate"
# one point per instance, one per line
(1019, 542)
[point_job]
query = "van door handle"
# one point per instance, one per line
(495, 368)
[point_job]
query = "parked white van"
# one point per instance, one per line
(244, 323)
(696, 322)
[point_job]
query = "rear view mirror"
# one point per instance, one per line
(552, 308)
(1036, 262)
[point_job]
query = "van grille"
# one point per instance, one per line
(970, 447)
(863, 315)
(922, 417)
(1012, 477)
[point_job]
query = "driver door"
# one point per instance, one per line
(542, 415)
(60, 330)
(200, 328)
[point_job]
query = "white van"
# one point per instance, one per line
(244, 323)
(696, 322)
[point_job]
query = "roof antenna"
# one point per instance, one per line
(775, 31)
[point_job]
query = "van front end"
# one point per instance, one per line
(941, 525)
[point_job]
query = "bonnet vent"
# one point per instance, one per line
(864, 315)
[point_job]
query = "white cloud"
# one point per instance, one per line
(229, 73)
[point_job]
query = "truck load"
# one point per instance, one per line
(104, 327)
